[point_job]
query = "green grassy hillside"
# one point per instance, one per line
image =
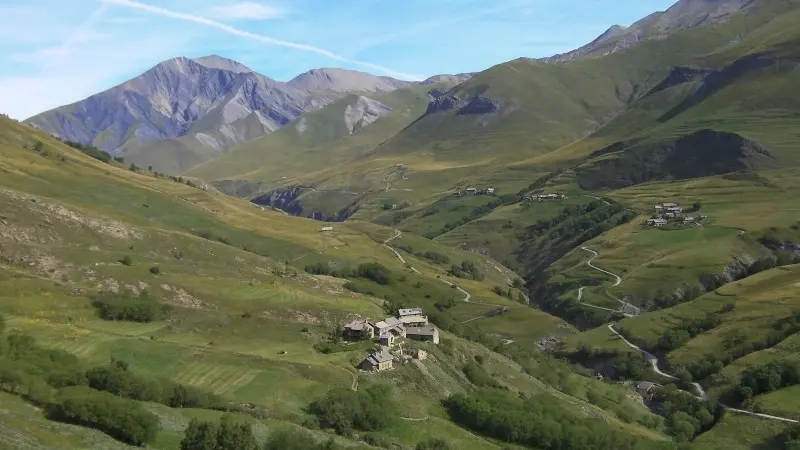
(315, 142)
(244, 321)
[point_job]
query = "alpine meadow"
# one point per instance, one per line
(598, 249)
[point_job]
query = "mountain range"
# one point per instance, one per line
(605, 245)
(184, 111)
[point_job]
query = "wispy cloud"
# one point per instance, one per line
(246, 11)
(256, 37)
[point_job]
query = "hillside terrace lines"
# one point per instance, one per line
(218, 378)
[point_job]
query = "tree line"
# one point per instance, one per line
(686, 415)
(538, 421)
(140, 308)
(371, 271)
(107, 398)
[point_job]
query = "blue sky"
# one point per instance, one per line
(56, 52)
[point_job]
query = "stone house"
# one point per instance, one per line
(427, 333)
(377, 361)
(359, 330)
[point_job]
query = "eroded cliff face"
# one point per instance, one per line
(363, 112)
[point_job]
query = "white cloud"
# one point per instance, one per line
(245, 11)
(255, 37)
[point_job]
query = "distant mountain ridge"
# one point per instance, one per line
(682, 15)
(184, 111)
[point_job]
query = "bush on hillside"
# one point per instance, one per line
(467, 270)
(345, 410)
(375, 272)
(143, 308)
(126, 261)
(226, 435)
(296, 440)
(539, 422)
(433, 444)
(478, 376)
(686, 415)
(89, 150)
(120, 418)
(155, 270)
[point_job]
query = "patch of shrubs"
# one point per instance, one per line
(345, 410)
(120, 418)
(142, 308)
(466, 270)
(538, 422)
(686, 415)
(434, 257)
(478, 376)
(297, 440)
(375, 272)
(767, 378)
(225, 435)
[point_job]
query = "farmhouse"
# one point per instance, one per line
(427, 333)
(390, 325)
(656, 222)
(472, 190)
(387, 339)
(377, 361)
(324, 229)
(688, 219)
(490, 191)
(359, 330)
(412, 317)
(645, 388)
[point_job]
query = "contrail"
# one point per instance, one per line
(256, 37)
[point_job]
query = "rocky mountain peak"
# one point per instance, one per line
(221, 63)
(342, 80)
(682, 15)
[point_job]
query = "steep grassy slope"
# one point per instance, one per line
(243, 323)
(317, 141)
(753, 329)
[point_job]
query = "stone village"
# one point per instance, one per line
(410, 323)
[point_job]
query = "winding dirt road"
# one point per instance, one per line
(701, 394)
(467, 296)
(617, 281)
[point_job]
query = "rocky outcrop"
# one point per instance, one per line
(363, 112)
(716, 80)
(679, 75)
(699, 154)
(283, 198)
(680, 16)
(480, 105)
(444, 103)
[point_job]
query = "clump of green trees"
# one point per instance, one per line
(767, 378)
(120, 418)
(478, 376)
(686, 415)
(370, 271)
(792, 438)
(345, 410)
(225, 435)
(539, 422)
(103, 397)
(466, 270)
(434, 257)
(141, 308)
